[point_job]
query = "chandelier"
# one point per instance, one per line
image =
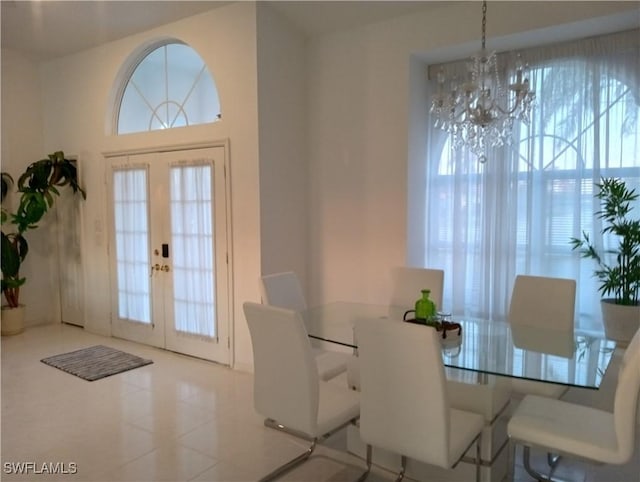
(480, 112)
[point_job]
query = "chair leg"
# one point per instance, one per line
(271, 423)
(526, 461)
(403, 467)
(478, 456)
(552, 460)
(366, 474)
(511, 461)
(274, 474)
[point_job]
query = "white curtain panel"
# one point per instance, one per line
(130, 202)
(193, 249)
(485, 223)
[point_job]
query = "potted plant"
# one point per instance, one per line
(37, 188)
(618, 269)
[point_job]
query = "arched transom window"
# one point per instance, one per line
(170, 87)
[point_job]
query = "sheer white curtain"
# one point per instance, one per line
(191, 194)
(485, 223)
(130, 205)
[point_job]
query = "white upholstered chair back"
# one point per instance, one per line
(286, 385)
(547, 303)
(626, 399)
(283, 290)
(543, 302)
(407, 283)
(403, 405)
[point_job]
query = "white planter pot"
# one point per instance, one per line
(620, 321)
(12, 321)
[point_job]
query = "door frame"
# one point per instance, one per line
(223, 143)
(73, 213)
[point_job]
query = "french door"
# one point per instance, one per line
(169, 251)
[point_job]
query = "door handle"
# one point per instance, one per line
(157, 267)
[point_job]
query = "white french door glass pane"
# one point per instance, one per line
(132, 244)
(191, 195)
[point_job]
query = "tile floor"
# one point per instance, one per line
(179, 419)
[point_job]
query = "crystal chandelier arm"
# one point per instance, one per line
(480, 111)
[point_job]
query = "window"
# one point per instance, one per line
(170, 87)
(485, 223)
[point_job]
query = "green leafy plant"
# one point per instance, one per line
(620, 278)
(37, 189)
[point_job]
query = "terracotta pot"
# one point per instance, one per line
(12, 320)
(620, 321)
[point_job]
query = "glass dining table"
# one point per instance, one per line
(480, 366)
(484, 347)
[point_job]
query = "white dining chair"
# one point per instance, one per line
(406, 286)
(543, 302)
(580, 431)
(547, 303)
(411, 416)
(287, 390)
(285, 291)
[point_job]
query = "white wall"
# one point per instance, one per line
(77, 111)
(22, 144)
(282, 113)
(364, 89)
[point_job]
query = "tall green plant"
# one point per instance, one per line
(620, 278)
(37, 190)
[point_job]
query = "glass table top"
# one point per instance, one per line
(485, 347)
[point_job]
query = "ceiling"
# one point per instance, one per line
(46, 29)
